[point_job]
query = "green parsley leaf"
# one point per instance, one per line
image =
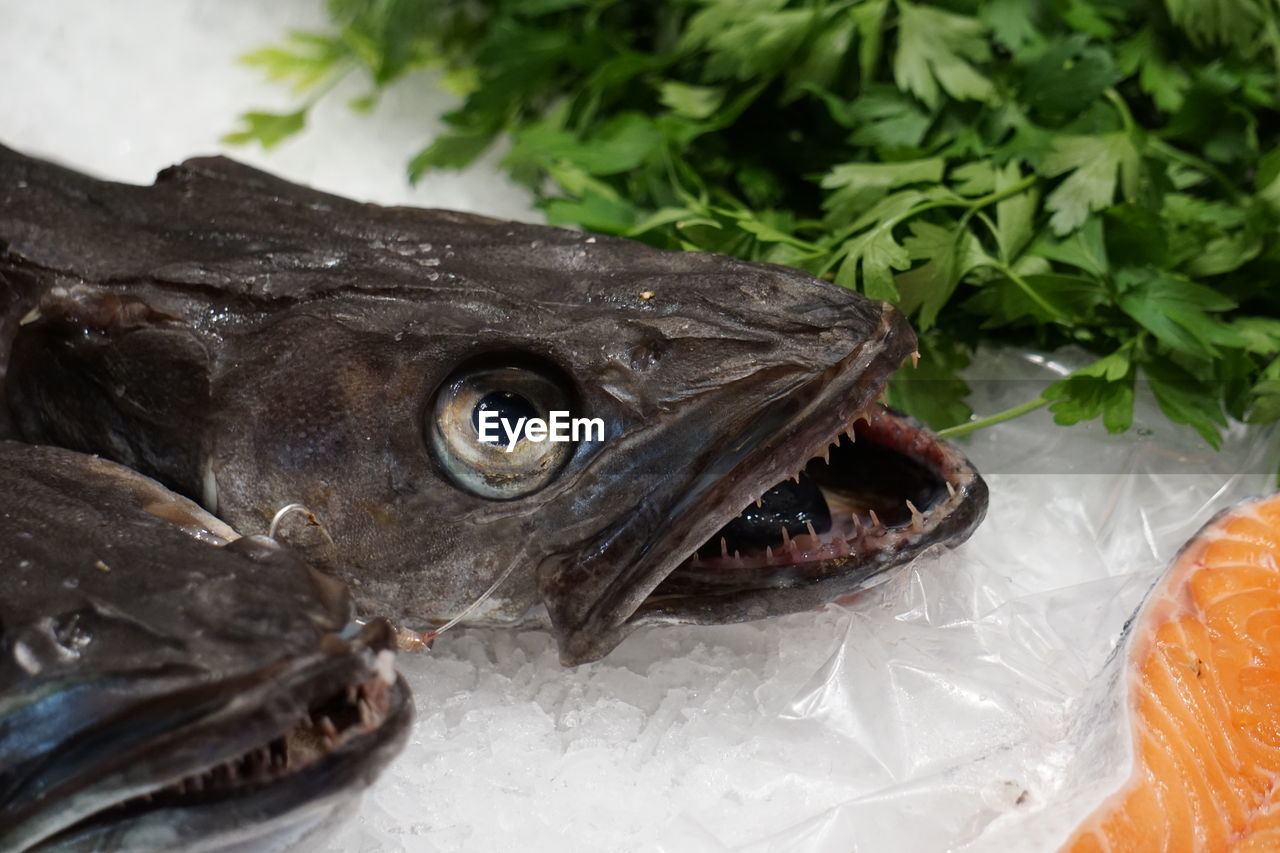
(690, 101)
(268, 129)
(1103, 388)
(1186, 399)
(938, 49)
(858, 186)
(869, 259)
(1176, 311)
(1094, 163)
(951, 253)
(304, 61)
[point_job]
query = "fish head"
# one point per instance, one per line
(350, 352)
(163, 685)
(684, 367)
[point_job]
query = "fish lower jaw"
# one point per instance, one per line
(354, 711)
(849, 537)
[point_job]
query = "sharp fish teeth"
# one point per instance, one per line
(786, 537)
(876, 526)
(917, 520)
(809, 526)
(760, 504)
(724, 548)
(951, 490)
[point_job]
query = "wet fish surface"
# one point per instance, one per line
(164, 684)
(252, 343)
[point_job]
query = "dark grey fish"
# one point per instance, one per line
(252, 343)
(163, 688)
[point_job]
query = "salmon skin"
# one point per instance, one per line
(252, 343)
(1202, 670)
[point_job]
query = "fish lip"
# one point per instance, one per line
(258, 715)
(835, 398)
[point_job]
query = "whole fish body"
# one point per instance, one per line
(251, 343)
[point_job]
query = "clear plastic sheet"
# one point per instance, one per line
(964, 704)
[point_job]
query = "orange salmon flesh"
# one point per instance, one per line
(1203, 673)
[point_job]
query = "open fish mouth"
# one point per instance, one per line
(883, 486)
(846, 489)
(270, 756)
(353, 713)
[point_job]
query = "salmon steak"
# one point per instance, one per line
(1202, 669)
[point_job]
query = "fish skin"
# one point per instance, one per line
(141, 645)
(225, 326)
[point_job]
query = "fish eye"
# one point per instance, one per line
(489, 429)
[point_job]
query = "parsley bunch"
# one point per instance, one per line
(1102, 173)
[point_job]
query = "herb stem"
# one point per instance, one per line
(1122, 108)
(1031, 292)
(1013, 189)
(973, 203)
(342, 69)
(991, 420)
(1175, 153)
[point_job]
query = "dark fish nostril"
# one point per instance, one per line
(791, 505)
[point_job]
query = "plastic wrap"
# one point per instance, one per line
(963, 704)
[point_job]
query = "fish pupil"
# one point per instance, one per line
(509, 407)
